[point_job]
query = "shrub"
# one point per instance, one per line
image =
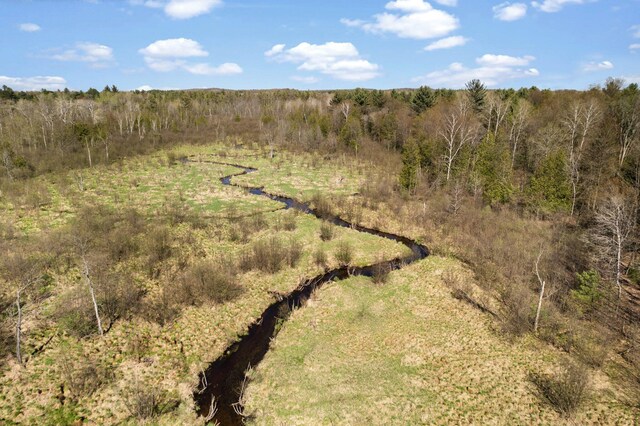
(82, 374)
(589, 292)
(326, 231)
(209, 281)
(294, 253)
(381, 272)
(566, 391)
(158, 249)
(344, 253)
(172, 157)
(144, 401)
(321, 205)
(270, 255)
(74, 313)
(242, 230)
(161, 308)
(320, 257)
(118, 294)
(519, 315)
(287, 221)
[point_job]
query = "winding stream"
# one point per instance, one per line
(223, 381)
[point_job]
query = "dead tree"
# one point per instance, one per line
(82, 246)
(579, 124)
(29, 276)
(614, 224)
(541, 297)
(517, 123)
(458, 131)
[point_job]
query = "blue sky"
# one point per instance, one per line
(260, 44)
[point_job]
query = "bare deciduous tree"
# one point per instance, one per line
(458, 131)
(579, 124)
(82, 245)
(517, 123)
(496, 111)
(614, 223)
(543, 284)
(628, 121)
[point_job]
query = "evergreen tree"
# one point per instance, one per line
(92, 93)
(423, 99)
(376, 98)
(477, 93)
(350, 132)
(410, 165)
(360, 97)
(549, 189)
(493, 169)
(8, 93)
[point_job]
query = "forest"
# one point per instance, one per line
(126, 268)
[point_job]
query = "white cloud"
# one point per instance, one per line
(305, 80)
(29, 27)
(174, 48)
(415, 19)
(597, 66)
(147, 88)
(509, 11)
(185, 9)
(635, 31)
(490, 60)
(180, 9)
(409, 5)
(278, 48)
(634, 46)
(154, 4)
(33, 83)
(447, 43)
(338, 60)
(97, 55)
(492, 70)
(206, 69)
(551, 6)
(174, 54)
(450, 3)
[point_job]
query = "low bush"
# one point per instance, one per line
(381, 272)
(209, 281)
(320, 257)
(327, 231)
(271, 255)
(74, 313)
(321, 205)
(145, 401)
(286, 221)
(158, 247)
(82, 374)
(565, 391)
(344, 253)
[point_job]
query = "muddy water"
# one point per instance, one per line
(224, 379)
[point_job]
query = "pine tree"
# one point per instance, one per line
(423, 99)
(493, 169)
(410, 165)
(477, 93)
(549, 189)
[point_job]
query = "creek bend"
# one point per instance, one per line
(223, 381)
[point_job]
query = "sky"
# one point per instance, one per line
(316, 44)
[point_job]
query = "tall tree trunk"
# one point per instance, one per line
(18, 328)
(89, 283)
(542, 287)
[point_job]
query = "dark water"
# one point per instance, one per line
(224, 378)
